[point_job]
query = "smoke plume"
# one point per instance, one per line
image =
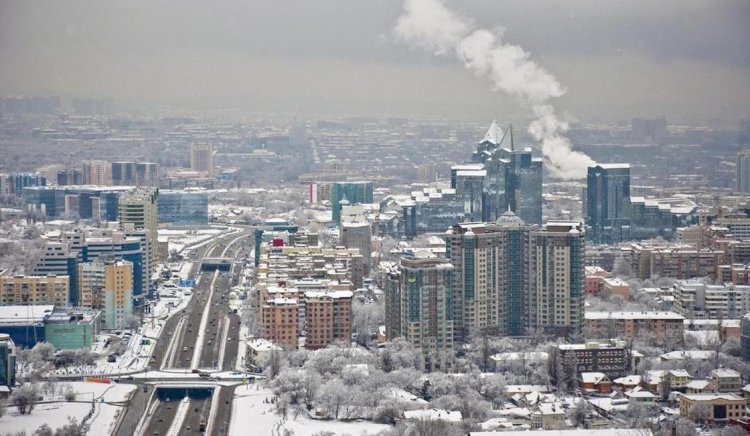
(429, 25)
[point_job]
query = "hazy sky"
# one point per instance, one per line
(618, 59)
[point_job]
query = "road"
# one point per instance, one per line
(205, 337)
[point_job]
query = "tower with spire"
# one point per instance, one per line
(511, 177)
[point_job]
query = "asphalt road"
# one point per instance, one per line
(183, 329)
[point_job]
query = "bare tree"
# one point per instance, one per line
(25, 397)
(700, 413)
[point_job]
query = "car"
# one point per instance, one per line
(184, 348)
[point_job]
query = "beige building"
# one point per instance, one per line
(34, 290)
(667, 328)
(97, 172)
(721, 407)
(202, 158)
(118, 293)
(138, 210)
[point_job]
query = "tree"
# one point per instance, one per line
(70, 393)
(332, 396)
(579, 413)
(132, 322)
(25, 397)
(700, 413)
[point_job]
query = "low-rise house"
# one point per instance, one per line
(596, 382)
(699, 387)
(548, 416)
(726, 380)
(627, 382)
(640, 396)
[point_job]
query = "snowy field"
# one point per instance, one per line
(249, 411)
(55, 414)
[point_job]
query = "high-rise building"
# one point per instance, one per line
(346, 193)
(491, 281)
(280, 322)
(328, 318)
(510, 178)
(7, 361)
(123, 173)
(557, 263)
(183, 208)
(59, 259)
(70, 176)
(139, 213)
(118, 293)
(743, 171)
(147, 174)
(202, 158)
(426, 300)
(608, 203)
(97, 172)
(357, 235)
(745, 337)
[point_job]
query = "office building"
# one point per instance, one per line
(183, 208)
(745, 337)
(72, 328)
(92, 202)
(610, 357)
(18, 290)
(96, 172)
(426, 300)
(607, 208)
(743, 171)
(721, 407)
(71, 176)
(59, 259)
(491, 284)
(25, 323)
(346, 193)
(280, 322)
(510, 179)
(147, 174)
(138, 210)
(123, 173)
(556, 306)
(202, 158)
(357, 235)
(118, 294)
(7, 364)
(327, 318)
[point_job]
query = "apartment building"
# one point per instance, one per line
(34, 290)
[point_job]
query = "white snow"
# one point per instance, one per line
(55, 414)
(249, 411)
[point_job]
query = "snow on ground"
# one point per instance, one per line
(55, 414)
(249, 411)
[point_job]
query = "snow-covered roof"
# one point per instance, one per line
(573, 432)
(697, 384)
(687, 354)
(594, 377)
(725, 373)
(631, 380)
(634, 315)
(434, 415)
(713, 397)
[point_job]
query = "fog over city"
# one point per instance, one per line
(687, 59)
(375, 218)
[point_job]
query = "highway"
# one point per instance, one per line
(203, 337)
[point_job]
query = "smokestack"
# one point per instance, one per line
(429, 25)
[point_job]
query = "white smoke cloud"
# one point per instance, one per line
(429, 25)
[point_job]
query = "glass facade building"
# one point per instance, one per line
(353, 192)
(183, 208)
(607, 206)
